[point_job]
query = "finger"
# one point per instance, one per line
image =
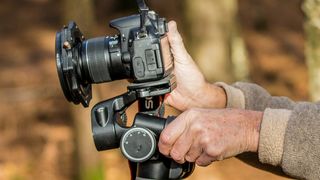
(181, 147)
(205, 160)
(170, 134)
(174, 36)
(176, 43)
(194, 153)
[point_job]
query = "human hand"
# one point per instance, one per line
(206, 135)
(192, 89)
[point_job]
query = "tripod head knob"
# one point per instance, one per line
(138, 144)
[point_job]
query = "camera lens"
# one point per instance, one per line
(102, 60)
(81, 63)
(96, 60)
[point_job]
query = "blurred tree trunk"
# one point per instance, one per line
(312, 30)
(214, 39)
(88, 163)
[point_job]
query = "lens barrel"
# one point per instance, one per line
(96, 60)
(102, 60)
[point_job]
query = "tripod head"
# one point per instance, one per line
(138, 143)
(109, 118)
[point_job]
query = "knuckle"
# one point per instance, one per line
(164, 139)
(176, 155)
(195, 128)
(205, 142)
(214, 151)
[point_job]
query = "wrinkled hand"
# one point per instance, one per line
(192, 89)
(207, 135)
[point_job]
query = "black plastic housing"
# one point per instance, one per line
(139, 53)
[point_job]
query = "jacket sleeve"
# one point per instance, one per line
(290, 131)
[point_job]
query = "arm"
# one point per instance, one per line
(253, 97)
(284, 133)
(290, 131)
(207, 135)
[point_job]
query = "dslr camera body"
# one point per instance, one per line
(141, 54)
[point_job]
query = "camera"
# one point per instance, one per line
(139, 53)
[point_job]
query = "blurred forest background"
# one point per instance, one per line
(268, 42)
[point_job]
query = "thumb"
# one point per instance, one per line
(174, 35)
(176, 42)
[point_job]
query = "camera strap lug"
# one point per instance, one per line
(144, 10)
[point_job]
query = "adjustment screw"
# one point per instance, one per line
(66, 45)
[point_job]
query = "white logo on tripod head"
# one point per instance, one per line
(149, 103)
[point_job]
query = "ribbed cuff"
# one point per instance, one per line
(235, 97)
(272, 133)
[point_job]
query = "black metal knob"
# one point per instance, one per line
(138, 144)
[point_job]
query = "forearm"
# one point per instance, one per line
(290, 132)
(274, 121)
(253, 97)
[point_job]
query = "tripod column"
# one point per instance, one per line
(158, 168)
(151, 105)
